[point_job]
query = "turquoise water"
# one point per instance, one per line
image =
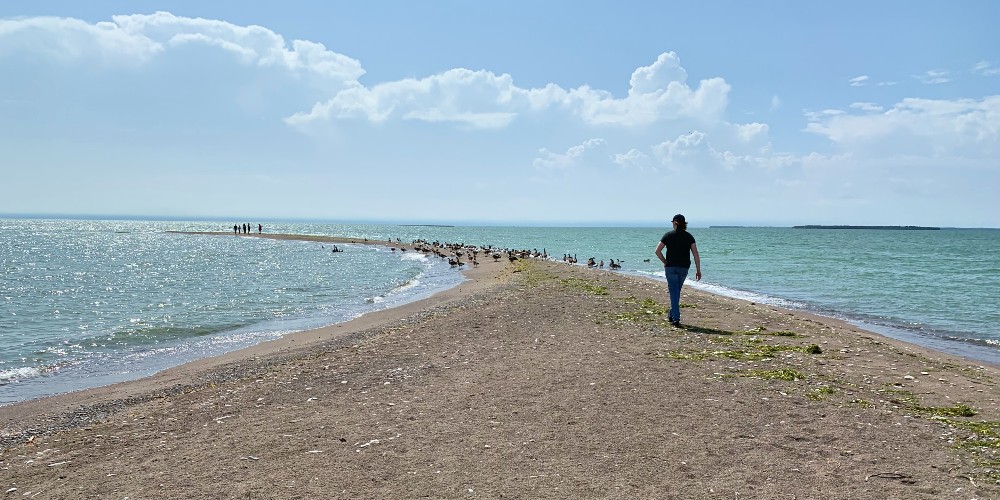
(87, 303)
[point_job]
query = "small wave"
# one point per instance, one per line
(972, 348)
(414, 256)
(409, 284)
(745, 295)
(730, 292)
(398, 289)
(155, 334)
(18, 374)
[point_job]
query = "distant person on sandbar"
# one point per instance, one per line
(680, 246)
(260, 228)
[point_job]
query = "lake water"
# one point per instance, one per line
(85, 303)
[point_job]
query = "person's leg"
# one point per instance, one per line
(675, 280)
(674, 292)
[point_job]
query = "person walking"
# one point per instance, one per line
(680, 246)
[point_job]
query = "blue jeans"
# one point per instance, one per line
(675, 280)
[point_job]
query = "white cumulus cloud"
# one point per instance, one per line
(633, 158)
(934, 76)
(858, 81)
(132, 39)
(657, 76)
(484, 99)
(734, 146)
(481, 99)
(72, 40)
(254, 44)
(866, 106)
(986, 68)
(682, 148)
(478, 98)
(939, 127)
(567, 159)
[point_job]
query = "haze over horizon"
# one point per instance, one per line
(451, 112)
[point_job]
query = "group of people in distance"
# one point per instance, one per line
(247, 228)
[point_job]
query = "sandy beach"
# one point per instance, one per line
(534, 379)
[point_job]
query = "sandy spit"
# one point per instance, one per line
(534, 379)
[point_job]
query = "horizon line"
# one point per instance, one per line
(412, 222)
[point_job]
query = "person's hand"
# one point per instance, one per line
(697, 276)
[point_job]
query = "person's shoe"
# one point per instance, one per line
(676, 323)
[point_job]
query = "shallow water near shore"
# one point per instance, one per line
(87, 303)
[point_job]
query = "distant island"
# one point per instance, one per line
(743, 227)
(896, 228)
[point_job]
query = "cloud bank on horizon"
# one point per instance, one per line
(161, 114)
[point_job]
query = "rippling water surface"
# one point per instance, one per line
(87, 303)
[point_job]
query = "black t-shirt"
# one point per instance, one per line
(678, 246)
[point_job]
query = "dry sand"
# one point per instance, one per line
(533, 380)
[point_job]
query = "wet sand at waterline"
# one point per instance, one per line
(533, 379)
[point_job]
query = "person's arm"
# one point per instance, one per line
(659, 253)
(697, 261)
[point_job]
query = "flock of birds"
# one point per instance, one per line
(455, 252)
(611, 264)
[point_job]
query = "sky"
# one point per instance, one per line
(509, 113)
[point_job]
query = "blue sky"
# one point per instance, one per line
(579, 113)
